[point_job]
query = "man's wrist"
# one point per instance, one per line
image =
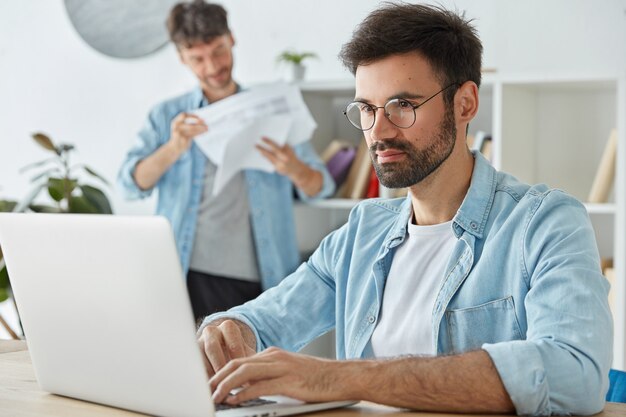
(308, 180)
(173, 150)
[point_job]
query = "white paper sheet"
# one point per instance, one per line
(240, 152)
(238, 122)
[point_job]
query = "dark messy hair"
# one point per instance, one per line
(195, 22)
(447, 40)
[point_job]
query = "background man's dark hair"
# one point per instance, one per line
(195, 22)
(446, 39)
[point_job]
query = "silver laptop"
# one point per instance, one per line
(106, 314)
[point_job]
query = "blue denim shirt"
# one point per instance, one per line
(523, 283)
(180, 191)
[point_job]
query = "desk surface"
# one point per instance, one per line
(20, 396)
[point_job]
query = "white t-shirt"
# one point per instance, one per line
(405, 323)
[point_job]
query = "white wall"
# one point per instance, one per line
(51, 81)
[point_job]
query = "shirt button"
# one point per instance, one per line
(473, 225)
(371, 319)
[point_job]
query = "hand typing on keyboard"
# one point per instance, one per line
(277, 372)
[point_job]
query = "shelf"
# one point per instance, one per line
(334, 203)
(333, 87)
(607, 208)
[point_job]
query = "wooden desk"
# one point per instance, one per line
(7, 346)
(20, 396)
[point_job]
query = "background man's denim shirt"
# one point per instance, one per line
(180, 191)
(523, 283)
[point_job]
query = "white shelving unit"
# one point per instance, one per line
(546, 129)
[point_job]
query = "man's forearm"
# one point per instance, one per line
(467, 383)
(309, 180)
(149, 170)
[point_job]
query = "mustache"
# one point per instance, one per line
(390, 144)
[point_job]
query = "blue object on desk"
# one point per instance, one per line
(617, 386)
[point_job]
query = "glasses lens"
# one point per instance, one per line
(400, 113)
(361, 115)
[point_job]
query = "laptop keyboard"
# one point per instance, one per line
(249, 403)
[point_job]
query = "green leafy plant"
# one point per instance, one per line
(5, 205)
(295, 57)
(64, 187)
(69, 193)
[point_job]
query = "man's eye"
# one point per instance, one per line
(403, 104)
(366, 108)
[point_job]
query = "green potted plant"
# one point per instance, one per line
(69, 193)
(295, 59)
(59, 177)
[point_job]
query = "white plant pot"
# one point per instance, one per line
(297, 72)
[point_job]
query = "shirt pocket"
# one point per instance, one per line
(491, 322)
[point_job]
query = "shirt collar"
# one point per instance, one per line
(474, 211)
(199, 100)
(475, 208)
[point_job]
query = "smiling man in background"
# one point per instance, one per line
(477, 293)
(241, 241)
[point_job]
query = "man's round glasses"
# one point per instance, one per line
(398, 111)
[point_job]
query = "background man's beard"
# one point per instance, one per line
(418, 164)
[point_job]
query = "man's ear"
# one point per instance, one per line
(466, 102)
(232, 39)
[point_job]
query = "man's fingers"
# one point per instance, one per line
(193, 119)
(270, 143)
(207, 365)
(233, 340)
(274, 386)
(213, 348)
(190, 131)
(239, 374)
(180, 118)
(268, 154)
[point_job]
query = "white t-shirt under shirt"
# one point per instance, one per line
(405, 323)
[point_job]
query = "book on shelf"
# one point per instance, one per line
(333, 147)
(338, 157)
(358, 176)
(605, 174)
(373, 187)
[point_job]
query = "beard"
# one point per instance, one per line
(418, 164)
(225, 78)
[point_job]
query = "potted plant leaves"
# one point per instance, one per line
(295, 59)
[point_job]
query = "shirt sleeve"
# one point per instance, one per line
(562, 366)
(151, 136)
(288, 316)
(307, 154)
(301, 308)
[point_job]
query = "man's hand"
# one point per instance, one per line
(221, 342)
(277, 372)
(287, 163)
(183, 129)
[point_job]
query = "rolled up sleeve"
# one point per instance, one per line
(562, 366)
(151, 136)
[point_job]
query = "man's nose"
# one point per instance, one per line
(211, 66)
(382, 127)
